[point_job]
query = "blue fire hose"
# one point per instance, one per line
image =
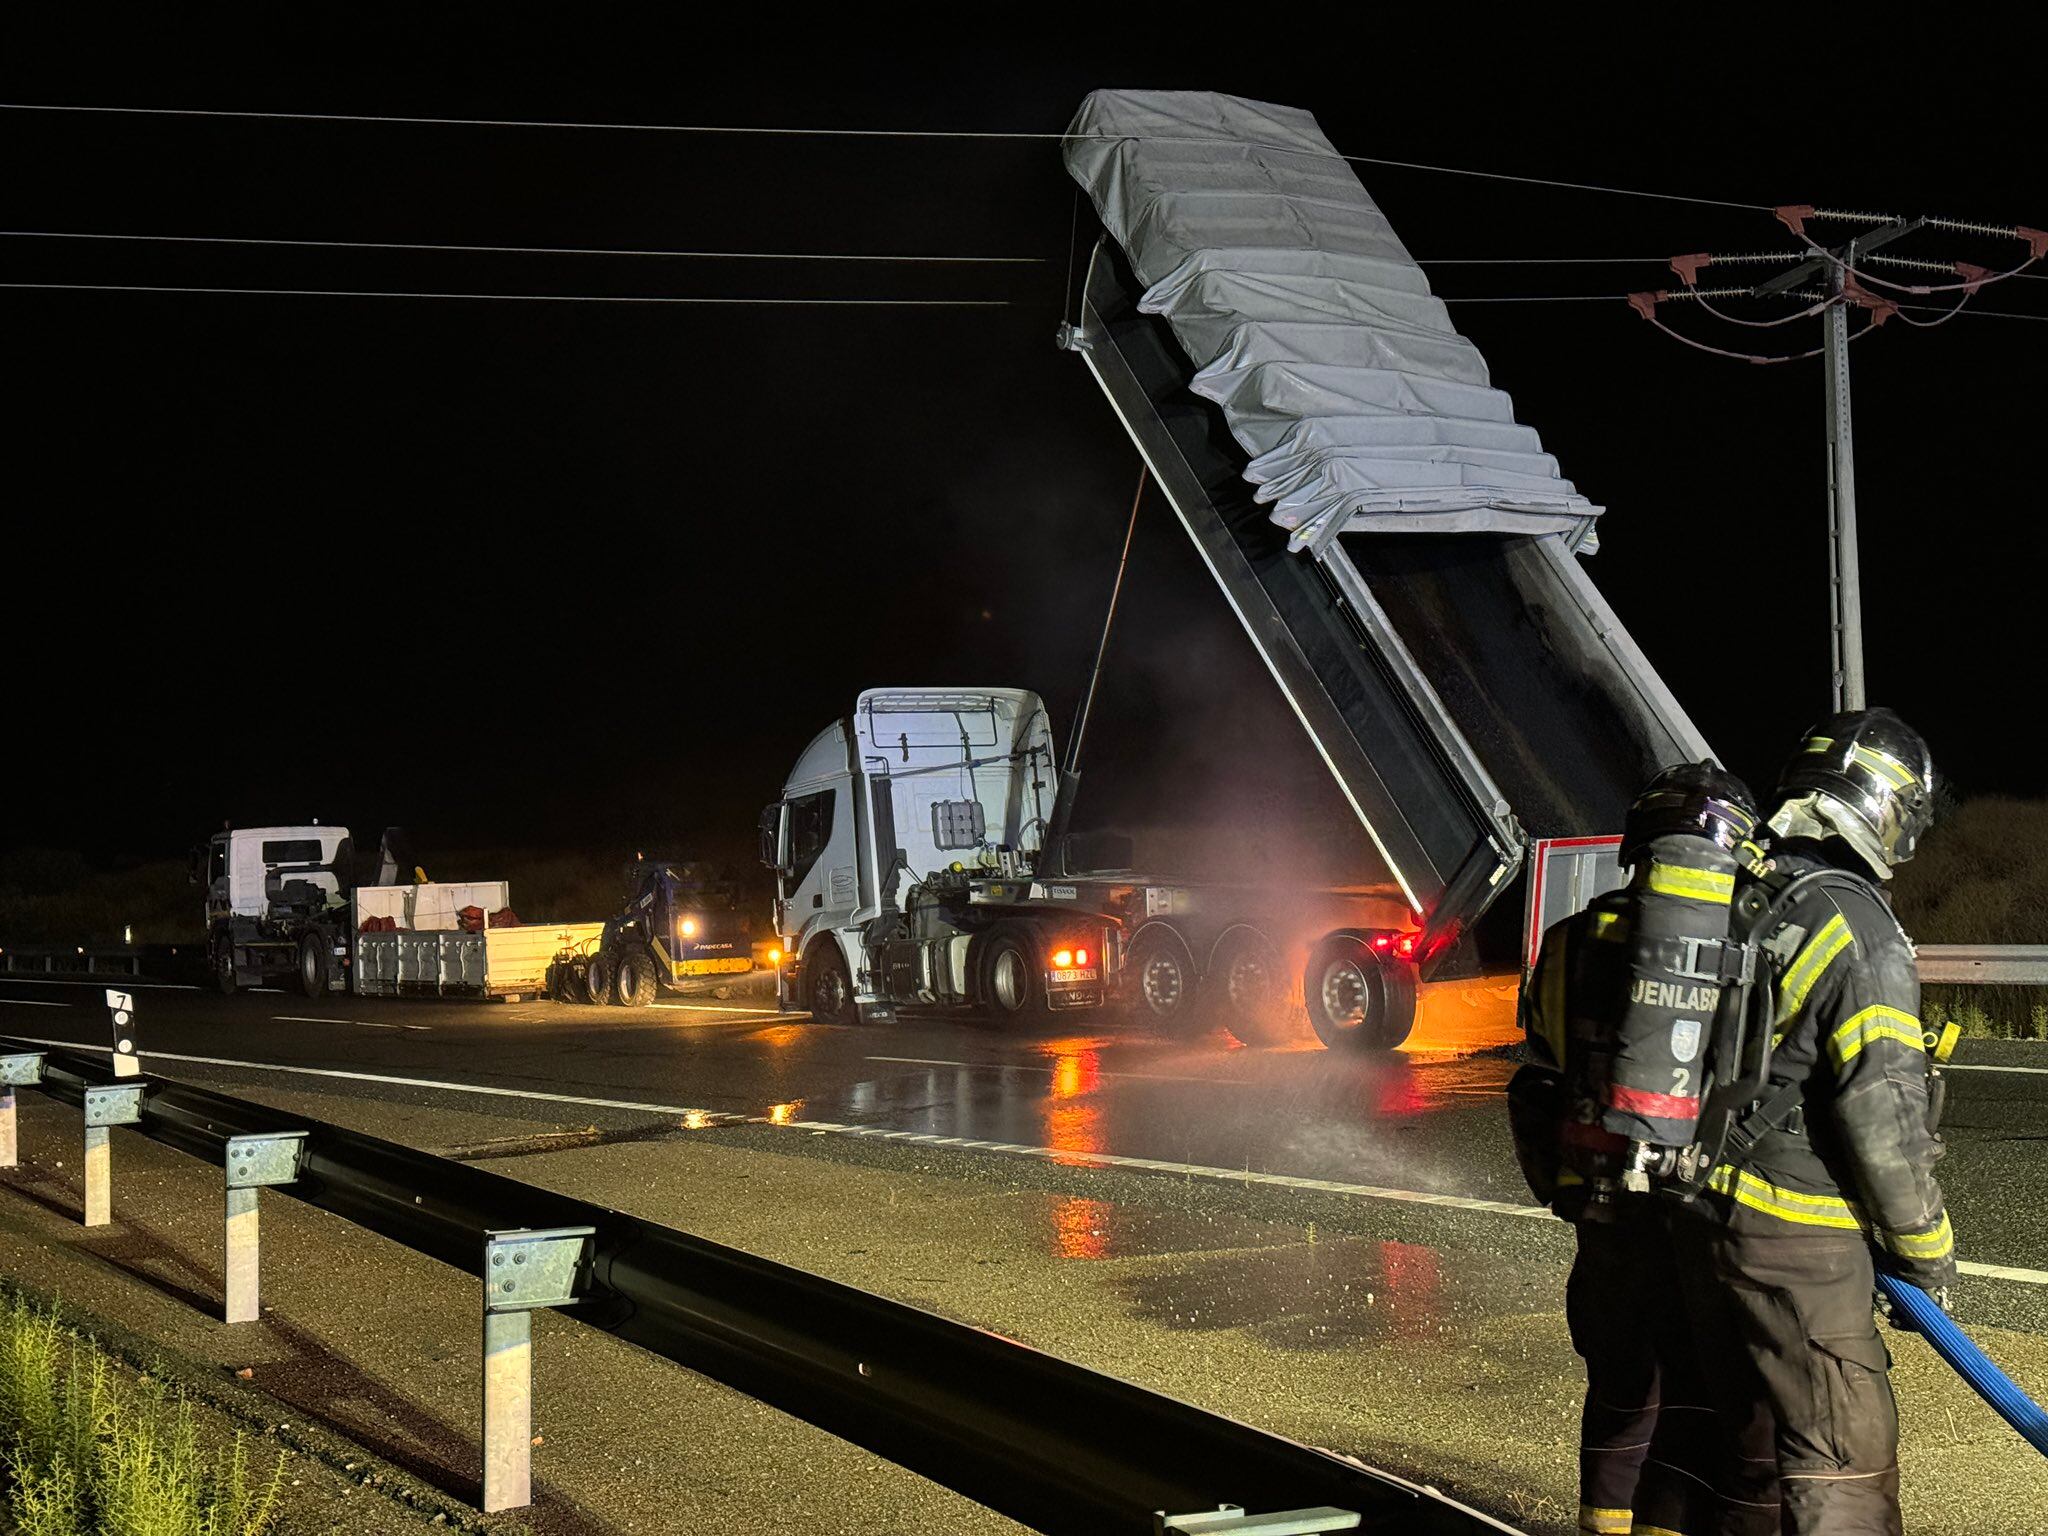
(1970, 1362)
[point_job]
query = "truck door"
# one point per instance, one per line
(820, 882)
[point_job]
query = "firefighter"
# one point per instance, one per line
(1649, 1447)
(1831, 1167)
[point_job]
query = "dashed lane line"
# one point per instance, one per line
(727, 1008)
(307, 1018)
(706, 1118)
(29, 1002)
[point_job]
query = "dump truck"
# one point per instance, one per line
(1402, 553)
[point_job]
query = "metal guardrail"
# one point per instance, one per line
(1055, 1446)
(1985, 964)
(73, 961)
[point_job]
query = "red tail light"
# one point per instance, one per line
(1405, 946)
(1080, 957)
(1382, 941)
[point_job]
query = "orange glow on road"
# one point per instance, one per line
(783, 1114)
(1071, 1123)
(1080, 1229)
(1460, 1017)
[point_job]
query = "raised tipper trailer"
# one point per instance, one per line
(1403, 554)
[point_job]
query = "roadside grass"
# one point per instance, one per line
(1982, 878)
(91, 1452)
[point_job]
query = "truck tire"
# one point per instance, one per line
(633, 978)
(565, 983)
(597, 978)
(828, 990)
(1359, 998)
(313, 965)
(1012, 974)
(1161, 987)
(225, 981)
(1247, 988)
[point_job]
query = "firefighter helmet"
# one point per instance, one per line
(1864, 776)
(1690, 800)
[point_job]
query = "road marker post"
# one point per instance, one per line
(524, 1270)
(254, 1163)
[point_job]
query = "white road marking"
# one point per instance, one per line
(725, 1008)
(126, 984)
(1027, 1066)
(1975, 1066)
(306, 1018)
(29, 1002)
(965, 1144)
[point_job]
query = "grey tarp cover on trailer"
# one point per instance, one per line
(1339, 373)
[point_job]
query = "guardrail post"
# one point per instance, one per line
(254, 1163)
(106, 1105)
(23, 1070)
(523, 1271)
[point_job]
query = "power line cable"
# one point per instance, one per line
(515, 250)
(524, 298)
(874, 133)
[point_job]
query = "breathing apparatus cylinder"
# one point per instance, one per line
(1685, 842)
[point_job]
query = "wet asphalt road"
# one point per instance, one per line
(1427, 1121)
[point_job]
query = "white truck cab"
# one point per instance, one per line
(904, 847)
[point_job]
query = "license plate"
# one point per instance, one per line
(1060, 977)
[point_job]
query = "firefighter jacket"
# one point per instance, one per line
(1853, 1148)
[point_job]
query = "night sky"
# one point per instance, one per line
(588, 575)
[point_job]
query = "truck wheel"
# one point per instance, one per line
(1160, 984)
(597, 977)
(1013, 973)
(828, 990)
(633, 983)
(1247, 986)
(565, 985)
(313, 966)
(1358, 998)
(224, 977)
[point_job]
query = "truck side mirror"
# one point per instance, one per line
(773, 821)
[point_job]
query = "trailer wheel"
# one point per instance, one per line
(634, 985)
(313, 966)
(1359, 999)
(1160, 983)
(1012, 974)
(1247, 987)
(828, 990)
(597, 979)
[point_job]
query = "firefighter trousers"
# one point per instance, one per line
(1646, 1435)
(1789, 1345)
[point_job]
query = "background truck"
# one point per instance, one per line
(904, 848)
(682, 925)
(284, 906)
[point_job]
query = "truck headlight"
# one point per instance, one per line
(688, 927)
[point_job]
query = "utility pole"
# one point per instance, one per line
(1846, 589)
(1845, 579)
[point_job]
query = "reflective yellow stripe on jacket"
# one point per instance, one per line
(1936, 1244)
(1873, 1024)
(1605, 1522)
(1692, 884)
(1810, 964)
(1785, 1204)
